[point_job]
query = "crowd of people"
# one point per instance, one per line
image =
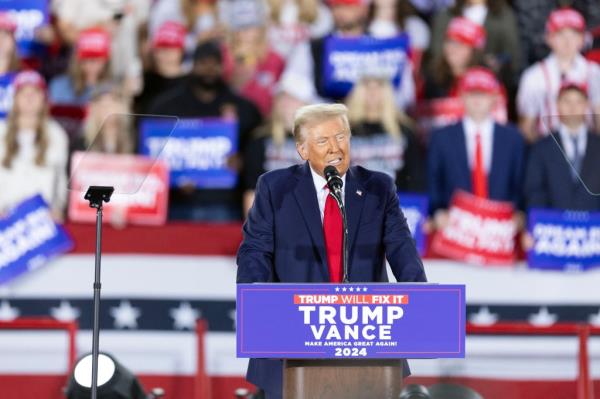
(522, 75)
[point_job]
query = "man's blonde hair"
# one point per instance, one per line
(309, 115)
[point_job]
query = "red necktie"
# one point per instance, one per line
(332, 228)
(479, 177)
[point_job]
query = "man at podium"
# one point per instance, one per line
(294, 230)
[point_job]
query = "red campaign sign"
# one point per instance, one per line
(141, 188)
(70, 117)
(479, 231)
(440, 112)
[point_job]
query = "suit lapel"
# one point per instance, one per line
(306, 196)
(588, 171)
(461, 155)
(496, 160)
(354, 199)
(562, 168)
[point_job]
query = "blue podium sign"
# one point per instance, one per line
(372, 320)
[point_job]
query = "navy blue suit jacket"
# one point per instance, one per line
(549, 182)
(283, 240)
(448, 165)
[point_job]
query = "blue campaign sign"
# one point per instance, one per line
(6, 93)
(196, 150)
(370, 320)
(415, 207)
(29, 238)
(564, 240)
(346, 60)
(28, 15)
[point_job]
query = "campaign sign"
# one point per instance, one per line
(564, 240)
(141, 188)
(196, 150)
(347, 59)
(414, 207)
(6, 93)
(29, 238)
(479, 231)
(29, 15)
(355, 320)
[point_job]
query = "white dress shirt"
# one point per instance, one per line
(486, 130)
(322, 193)
(540, 83)
(566, 137)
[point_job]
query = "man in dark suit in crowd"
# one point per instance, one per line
(562, 171)
(476, 154)
(293, 233)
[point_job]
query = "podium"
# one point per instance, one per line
(348, 379)
(349, 340)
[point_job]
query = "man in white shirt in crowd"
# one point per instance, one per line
(540, 83)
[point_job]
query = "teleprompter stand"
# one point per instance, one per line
(97, 195)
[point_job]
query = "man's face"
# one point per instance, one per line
(478, 104)
(207, 70)
(565, 43)
(572, 106)
(326, 143)
(349, 16)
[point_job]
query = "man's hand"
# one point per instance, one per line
(440, 219)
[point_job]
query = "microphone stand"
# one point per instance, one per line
(96, 195)
(337, 195)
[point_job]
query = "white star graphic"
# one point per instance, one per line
(185, 316)
(543, 318)
(483, 317)
(594, 319)
(357, 289)
(337, 289)
(364, 289)
(233, 316)
(344, 289)
(125, 315)
(351, 289)
(8, 313)
(65, 312)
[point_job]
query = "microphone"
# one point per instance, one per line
(334, 181)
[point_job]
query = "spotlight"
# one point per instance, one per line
(114, 380)
(414, 391)
(452, 391)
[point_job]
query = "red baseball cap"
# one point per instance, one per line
(466, 31)
(581, 87)
(565, 18)
(7, 23)
(29, 77)
(171, 34)
(93, 43)
(479, 79)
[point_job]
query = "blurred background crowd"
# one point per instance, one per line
(483, 82)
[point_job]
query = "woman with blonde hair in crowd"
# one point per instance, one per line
(381, 138)
(33, 149)
(90, 66)
(273, 145)
(107, 127)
